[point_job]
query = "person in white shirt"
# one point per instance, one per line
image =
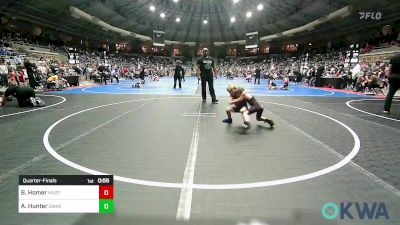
(42, 69)
(89, 70)
(115, 74)
(3, 74)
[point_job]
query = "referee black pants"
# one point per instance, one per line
(255, 80)
(103, 78)
(394, 85)
(210, 81)
(318, 81)
(179, 79)
(116, 77)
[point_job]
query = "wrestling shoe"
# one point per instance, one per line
(227, 120)
(40, 102)
(270, 122)
(246, 125)
(33, 101)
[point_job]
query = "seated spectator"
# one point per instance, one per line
(371, 81)
(58, 83)
(366, 49)
(359, 85)
(52, 78)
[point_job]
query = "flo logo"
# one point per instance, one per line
(355, 210)
(370, 15)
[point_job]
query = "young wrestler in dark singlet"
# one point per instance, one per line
(240, 99)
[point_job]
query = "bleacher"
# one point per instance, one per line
(382, 48)
(31, 47)
(380, 53)
(39, 51)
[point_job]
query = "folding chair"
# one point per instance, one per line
(49, 85)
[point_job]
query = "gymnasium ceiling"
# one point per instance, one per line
(136, 16)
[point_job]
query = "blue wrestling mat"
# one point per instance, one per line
(191, 87)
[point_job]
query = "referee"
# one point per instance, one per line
(258, 75)
(179, 72)
(206, 67)
(394, 82)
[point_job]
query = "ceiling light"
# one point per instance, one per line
(178, 19)
(175, 1)
(205, 21)
(162, 15)
(248, 14)
(260, 7)
(233, 19)
(152, 8)
(235, 1)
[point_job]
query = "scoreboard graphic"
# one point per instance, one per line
(66, 194)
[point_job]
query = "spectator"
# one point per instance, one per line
(21, 76)
(371, 82)
(359, 85)
(30, 68)
(12, 77)
(3, 74)
(318, 76)
(367, 48)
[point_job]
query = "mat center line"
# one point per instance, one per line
(198, 114)
(185, 198)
